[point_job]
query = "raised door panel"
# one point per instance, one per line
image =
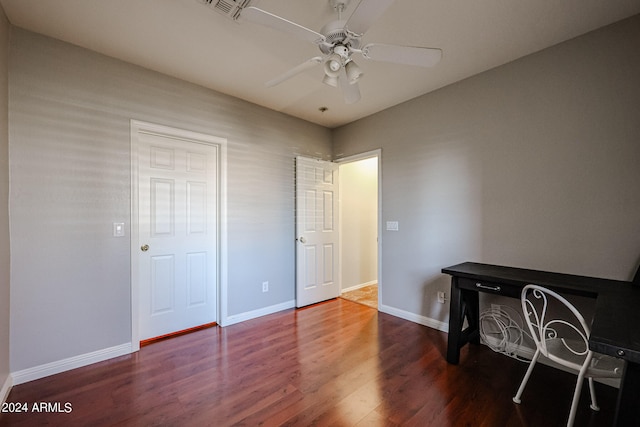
(162, 284)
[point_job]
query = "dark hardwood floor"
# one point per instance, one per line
(337, 363)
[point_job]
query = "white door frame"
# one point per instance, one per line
(138, 127)
(354, 158)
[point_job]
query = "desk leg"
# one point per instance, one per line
(456, 319)
(472, 304)
(628, 410)
(464, 305)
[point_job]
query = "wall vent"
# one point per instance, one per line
(229, 8)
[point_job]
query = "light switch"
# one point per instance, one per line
(118, 229)
(392, 225)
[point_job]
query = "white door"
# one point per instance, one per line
(177, 234)
(317, 277)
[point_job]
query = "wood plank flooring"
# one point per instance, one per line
(337, 363)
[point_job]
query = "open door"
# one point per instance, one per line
(317, 277)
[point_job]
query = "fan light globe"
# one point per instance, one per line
(353, 72)
(330, 80)
(332, 66)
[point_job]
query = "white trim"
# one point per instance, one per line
(74, 362)
(6, 388)
(222, 288)
(415, 318)
(190, 136)
(248, 315)
(366, 155)
(362, 156)
(360, 286)
(135, 294)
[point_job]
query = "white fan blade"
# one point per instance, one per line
(367, 12)
(350, 92)
(295, 70)
(409, 55)
(259, 16)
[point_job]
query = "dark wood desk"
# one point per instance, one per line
(615, 330)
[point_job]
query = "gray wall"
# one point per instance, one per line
(70, 176)
(534, 164)
(4, 203)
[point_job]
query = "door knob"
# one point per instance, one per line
(303, 240)
(144, 248)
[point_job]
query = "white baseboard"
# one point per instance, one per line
(361, 285)
(37, 372)
(6, 388)
(242, 317)
(415, 318)
(59, 366)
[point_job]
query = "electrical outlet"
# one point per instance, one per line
(442, 296)
(265, 286)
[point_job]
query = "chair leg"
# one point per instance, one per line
(518, 395)
(592, 391)
(576, 399)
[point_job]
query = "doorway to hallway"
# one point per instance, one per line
(359, 229)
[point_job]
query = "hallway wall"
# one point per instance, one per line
(359, 222)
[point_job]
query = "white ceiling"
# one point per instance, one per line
(191, 41)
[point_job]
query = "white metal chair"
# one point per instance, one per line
(564, 341)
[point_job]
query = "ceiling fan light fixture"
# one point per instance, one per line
(330, 80)
(338, 40)
(353, 72)
(332, 66)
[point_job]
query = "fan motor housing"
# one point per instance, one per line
(335, 33)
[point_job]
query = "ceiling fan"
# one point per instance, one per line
(338, 40)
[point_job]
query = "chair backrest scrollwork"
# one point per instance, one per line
(572, 333)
